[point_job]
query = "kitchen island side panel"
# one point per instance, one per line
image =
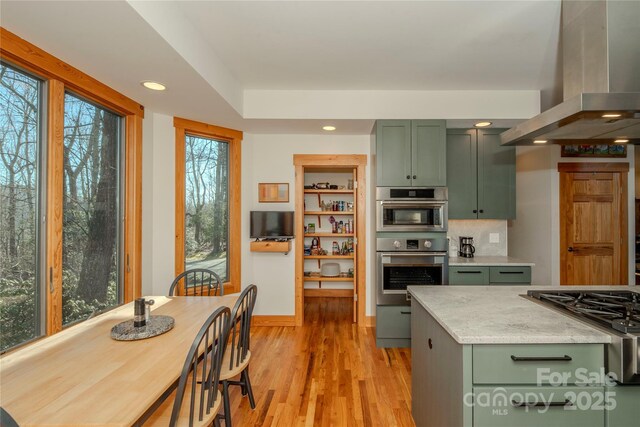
(441, 374)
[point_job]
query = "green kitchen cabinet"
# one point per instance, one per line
(481, 175)
(411, 153)
(393, 326)
(507, 275)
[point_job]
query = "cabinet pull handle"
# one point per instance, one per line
(481, 210)
(408, 176)
(415, 176)
(512, 272)
(405, 312)
(430, 343)
(517, 404)
(469, 272)
(475, 211)
(564, 358)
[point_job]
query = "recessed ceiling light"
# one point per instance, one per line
(329, 127)
(482, 124)
(611, 115)
(539, 141)
(153, 85)
(621, 141)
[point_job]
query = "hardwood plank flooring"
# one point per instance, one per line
(325, 373)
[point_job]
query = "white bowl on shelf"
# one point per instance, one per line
(330, 269)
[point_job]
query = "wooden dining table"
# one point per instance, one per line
(81, 376)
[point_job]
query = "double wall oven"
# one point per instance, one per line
(411, 240)
(406, 262)
(411, 209)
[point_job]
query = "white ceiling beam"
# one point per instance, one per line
(390, 104)
(168, 20)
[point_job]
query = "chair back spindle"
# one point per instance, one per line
(197, 281)
(240, 327)
(201, 370)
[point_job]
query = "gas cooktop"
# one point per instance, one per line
(619, 310)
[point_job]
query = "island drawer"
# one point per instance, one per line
(510, 274)
(468, 275)
(525, 406)
(393, 321)
(536, 363)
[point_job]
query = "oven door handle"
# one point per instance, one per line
(409, 203)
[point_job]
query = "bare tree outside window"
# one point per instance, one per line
(19, 169)
(90, 261)
(207, 204)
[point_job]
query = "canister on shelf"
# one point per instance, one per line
(336, 248)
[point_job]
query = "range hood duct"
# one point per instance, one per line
(601, 76)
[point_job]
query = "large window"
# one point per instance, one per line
(206, 205)
(70, 194)
(208, 200)
(20, 145)
(91, 279)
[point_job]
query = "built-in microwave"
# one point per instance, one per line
(411, 209)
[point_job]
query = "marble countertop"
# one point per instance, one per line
(488, 261)
(499, 315)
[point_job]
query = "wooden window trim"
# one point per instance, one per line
(233, 138)
(59, 77)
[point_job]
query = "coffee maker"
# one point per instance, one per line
(466, 247)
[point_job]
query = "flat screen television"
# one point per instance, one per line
(271, 225)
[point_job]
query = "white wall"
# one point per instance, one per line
(535, 233)
(269, 158)
(158, 203)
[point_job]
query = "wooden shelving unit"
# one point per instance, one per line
(327, 279)
(329, 235)
(311, 208)
(328, 257)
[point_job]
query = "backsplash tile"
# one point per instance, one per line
(480, 230)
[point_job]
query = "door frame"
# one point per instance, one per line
(621, 168)
(331, 161)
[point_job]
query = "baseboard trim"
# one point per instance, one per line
(263, 320)
(370, 321)
(335, 293)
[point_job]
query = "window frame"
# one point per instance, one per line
(233, 138)
(58, 77)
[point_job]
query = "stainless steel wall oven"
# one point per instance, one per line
(411, 209)
(409, 262)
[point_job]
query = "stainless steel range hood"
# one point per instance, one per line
(601, 78)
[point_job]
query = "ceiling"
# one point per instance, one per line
(212, 53)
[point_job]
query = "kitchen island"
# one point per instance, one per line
(486, 356)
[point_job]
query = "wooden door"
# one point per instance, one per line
(593, 223)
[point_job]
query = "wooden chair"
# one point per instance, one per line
(197, 398)
(237, 355)
(6, 420)
(197, 281)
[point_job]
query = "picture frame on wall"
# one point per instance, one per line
(602, 150)
(273, 192)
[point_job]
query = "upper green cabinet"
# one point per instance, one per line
(481, 175)
(411, 153)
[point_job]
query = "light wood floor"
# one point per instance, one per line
(325, 373)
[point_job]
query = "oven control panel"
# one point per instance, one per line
(389, 244)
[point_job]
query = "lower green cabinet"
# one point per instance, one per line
(494, 275)
(393, 326)
(625, 411)
(536, 406)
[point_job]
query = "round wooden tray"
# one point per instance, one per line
(157, 325)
